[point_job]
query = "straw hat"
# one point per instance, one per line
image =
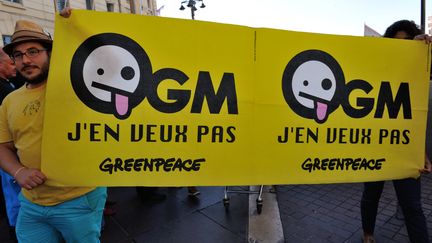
(27, 31)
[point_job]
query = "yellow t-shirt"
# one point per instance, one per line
(21, 122)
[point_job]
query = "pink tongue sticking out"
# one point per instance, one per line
(121, 103)
(321, 110)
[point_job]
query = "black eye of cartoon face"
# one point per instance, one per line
(109, 73)
(127, 73)
(311, 82)
(326, 84)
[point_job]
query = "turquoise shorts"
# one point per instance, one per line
(76, 220)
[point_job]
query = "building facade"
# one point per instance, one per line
(429, 25)
(368, 31)
(42, 11)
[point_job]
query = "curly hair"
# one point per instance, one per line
(408, 26)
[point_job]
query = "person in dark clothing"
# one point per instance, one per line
(7, 71)
(408, 191)
(9, 78)
(9, 81)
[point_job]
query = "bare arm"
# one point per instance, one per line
(8, 159)
(27, 178)
(427, 167)
(424, 37)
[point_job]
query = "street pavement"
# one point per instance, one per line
(331, 213)
(309, 213)
(179, 218)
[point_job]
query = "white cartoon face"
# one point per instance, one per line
(314, 86)
(111, 73)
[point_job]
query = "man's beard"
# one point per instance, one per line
(39, 78)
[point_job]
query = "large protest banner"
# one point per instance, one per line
(140, 100)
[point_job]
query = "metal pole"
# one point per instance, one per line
(423, 16)
(193, 12)
(55, 6)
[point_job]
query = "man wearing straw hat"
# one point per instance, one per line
(48, 213)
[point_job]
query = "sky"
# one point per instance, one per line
(344, 17)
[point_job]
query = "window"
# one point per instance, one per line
(89, 4)
(132, 6)
(61, 4)
(110, 7)
(14, 1)
(6, 39)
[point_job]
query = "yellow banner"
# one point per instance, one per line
(140, 100)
